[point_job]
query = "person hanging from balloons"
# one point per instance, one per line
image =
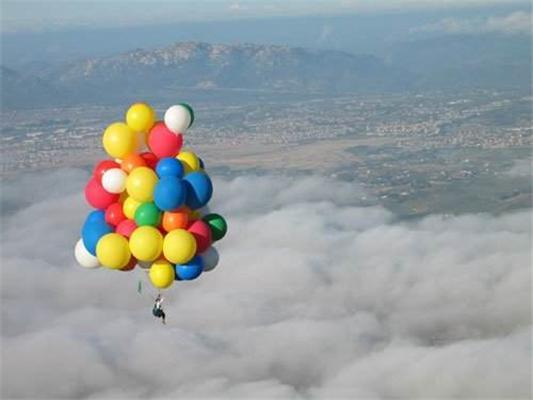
(151, 205)
(158, 309)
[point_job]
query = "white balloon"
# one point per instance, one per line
(177, 119)
(83, 257)
(114, 180)
(210, 259)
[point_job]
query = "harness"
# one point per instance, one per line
(157, 312)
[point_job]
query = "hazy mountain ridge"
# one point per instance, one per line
(218, 66)
(439, 63)
(489, 61)
(20, 90)
(247, 66)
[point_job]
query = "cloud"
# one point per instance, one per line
(236, 7)
(468, 369)
(518, 22)
(315, 296)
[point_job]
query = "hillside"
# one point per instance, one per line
(215, 66)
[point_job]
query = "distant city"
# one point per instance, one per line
(415, 153)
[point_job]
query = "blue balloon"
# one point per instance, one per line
(169, 193)
(169, 166)
(199, 189)
(190, 270)
(93, 229)
(95, 216)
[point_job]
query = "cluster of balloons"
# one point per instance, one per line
(150, 206)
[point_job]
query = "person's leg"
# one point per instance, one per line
(163, 316)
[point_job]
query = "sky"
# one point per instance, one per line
(518, 22)
(33, 15)
(314, 297)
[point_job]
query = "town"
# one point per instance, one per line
(411, 152)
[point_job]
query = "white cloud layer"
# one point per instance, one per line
(314, 297)
(518, 22)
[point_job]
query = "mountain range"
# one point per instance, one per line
(251, 67)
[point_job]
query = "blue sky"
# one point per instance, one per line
(32, 15)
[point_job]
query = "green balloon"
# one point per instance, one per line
(147, 214)
(217, 224)
(188, 107)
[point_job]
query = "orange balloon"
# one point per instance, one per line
(132, 161)
(175, 220)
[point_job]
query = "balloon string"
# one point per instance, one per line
(143, 292)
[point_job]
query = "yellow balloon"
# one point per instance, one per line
(189, 160)
(141, 184)
(130, 206)
(146, 243)
(140, 117)
(162, 274)
(112, 250)
(179, 246)
(119, 140)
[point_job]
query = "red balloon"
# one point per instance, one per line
(126, 227)
(97, 196)
(114, 214)
(102, 167)
(150, 159)
(163, 142)
(202, 233)
(130, 265)
(161, 229)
